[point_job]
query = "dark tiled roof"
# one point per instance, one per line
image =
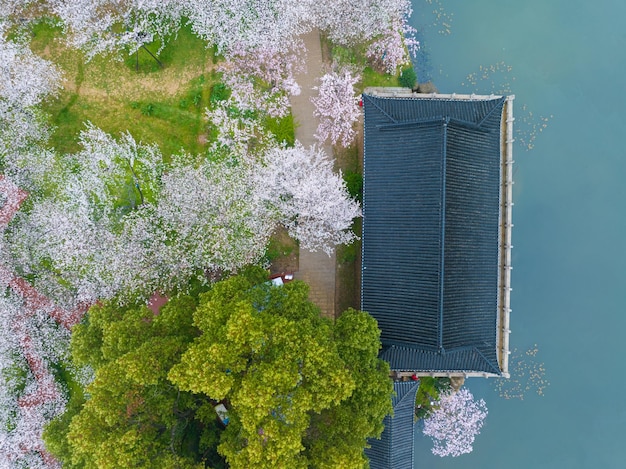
(395, 447)
(431, 212)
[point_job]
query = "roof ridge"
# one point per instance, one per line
(373, 102)
(496, 369)
(496, 106)
(442, 236)
(408, 391)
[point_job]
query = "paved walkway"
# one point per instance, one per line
(315, 268)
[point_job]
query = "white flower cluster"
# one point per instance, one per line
(264, 78)
(337, 107)
(30, 341)
(455, 422)
(25, 80)
(308, 197)
(232, 25)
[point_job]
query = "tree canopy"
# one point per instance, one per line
(301, 390)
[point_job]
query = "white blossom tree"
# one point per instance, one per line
(389, 50)
(237, 132)
(25, 81)
(111, 26)
(79, 230)
(337, 106)
(264, 78)
(349, 22)
(248, 25)
(25, 78)
(213, 217)
(34, 334)
(308, 197)
(454, 423)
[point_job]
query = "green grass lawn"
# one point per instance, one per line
(163, 105)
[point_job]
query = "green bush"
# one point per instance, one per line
(148, 109)
(354, 184)
(283, 128)
(428, 393)
(219, 92)
(407, 78)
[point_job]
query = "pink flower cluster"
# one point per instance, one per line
(263, 79)
(337, 107)
(389, 51)
(455, 422)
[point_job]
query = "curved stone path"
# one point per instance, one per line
(315, 268)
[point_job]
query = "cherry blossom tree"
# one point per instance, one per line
(237, 132)
(213, 217)
(117, 222)
(264, 78)
(389, 50)
(34, 335)
(248, 25)
(337, 106)
(455, 422)
(25, 78)
(25, 81)
(79, 230)
(348, 22)
(308, 197)
(110, 26)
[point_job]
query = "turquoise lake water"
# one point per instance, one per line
(566, 63)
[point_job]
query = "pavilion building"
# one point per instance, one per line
(436, 243)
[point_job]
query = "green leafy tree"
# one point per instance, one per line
(301, 390)
(337, 435)
(133, 416)
(293, 380)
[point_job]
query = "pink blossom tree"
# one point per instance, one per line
(455, 422)
(264, 78)
(337, 106)
(394, 46)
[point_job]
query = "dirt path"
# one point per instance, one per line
(315, 268)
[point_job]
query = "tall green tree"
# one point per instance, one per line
(301, 390)
(133, 416)
(294, 381)
(337, 435)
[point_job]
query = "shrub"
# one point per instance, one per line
(219, 92)
(148, 109)
(354, 184)
(407, 78)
